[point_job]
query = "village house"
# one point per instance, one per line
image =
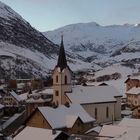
(101, 102)
(72, 119)
(133, 95)
(11, 99)
(132, 82)
(38, 99)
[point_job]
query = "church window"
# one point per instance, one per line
(107, 112)
(57, 79)
(56, 93)
(65, 79)
(96, 113)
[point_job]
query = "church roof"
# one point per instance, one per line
(62, 62)
(93, 94)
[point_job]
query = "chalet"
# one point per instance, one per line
(32, 133)
(133, 97)
(71, 119)
(132, 82)
(12, 99)
(101, 102)
(133, 101)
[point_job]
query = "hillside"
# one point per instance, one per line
(101, 45)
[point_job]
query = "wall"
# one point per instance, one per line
(37, 120)
(101, 111)
(117, 108)
(133, 100)
(79, 127)
(60, 85)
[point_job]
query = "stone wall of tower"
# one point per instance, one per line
(61, 84)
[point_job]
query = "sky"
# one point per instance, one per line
(47, 15)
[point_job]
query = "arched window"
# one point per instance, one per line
(65, 79)
(56, 78)
(56, 93)
(107, 112)
(96, 113)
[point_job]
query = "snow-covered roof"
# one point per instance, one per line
(127, 129)
(20, 85)
(33, 133)
(112, 131)
(65, 116)
(134, 90)
(127, 122)
(96, 129)
(38, 100)
(92, 94)
(131, 134)
(23, 96)
(17, 97)
(135, 77)
(47, 91)
(11, 120)
(126, 112)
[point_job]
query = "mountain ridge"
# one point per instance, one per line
(101, 45)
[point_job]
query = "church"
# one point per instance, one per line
(101, 102)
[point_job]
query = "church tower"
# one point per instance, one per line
(61, 78)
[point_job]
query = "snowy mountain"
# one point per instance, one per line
(101, 45)
(24, 51)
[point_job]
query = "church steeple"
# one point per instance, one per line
(62, 76)
(62, 62)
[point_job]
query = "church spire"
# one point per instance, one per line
(62, 62)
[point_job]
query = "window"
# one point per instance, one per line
(57, 79)
(96, 113)
(65, 79)
(107, 112)
(56, 93)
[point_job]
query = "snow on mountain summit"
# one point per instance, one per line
(75, 34)
(101, 45)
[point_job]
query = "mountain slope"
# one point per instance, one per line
(103, 45)
(24, 51)
(15, 30)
